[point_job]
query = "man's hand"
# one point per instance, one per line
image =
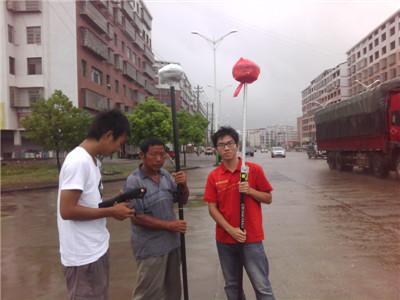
(122, 211)
(180, 177)
(178, 226)
(238, 234)
(244, 188)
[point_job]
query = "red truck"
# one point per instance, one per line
(363, 131)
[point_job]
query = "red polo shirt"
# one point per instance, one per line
(222, 188)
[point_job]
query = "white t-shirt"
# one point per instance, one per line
(81, 242)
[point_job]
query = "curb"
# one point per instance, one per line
(55, 185)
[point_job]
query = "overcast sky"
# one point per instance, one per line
(291, 41)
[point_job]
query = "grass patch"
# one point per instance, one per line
(35, 172)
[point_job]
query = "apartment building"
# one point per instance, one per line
(184, 94)
(277, 135)
(376, 58)
(97, 52)
(331, 86)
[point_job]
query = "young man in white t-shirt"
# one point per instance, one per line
(84, 238)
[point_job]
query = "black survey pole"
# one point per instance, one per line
(180, 199)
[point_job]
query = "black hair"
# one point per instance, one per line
(223, 131)
(147, 143)
(105, 121)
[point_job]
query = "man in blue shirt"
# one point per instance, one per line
(155, 229)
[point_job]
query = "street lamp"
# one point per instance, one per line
(214, 44)
(218, 113)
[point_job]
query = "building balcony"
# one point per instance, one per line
(151, 88)
(148, 54)
(127, 9)
(95, 17)
(138, 41)
(137, 22)
(149, 71)
(141, 97)
(94, 44)
(129, 71)
(117, 16)
(140, 79)
(94, 101)
(129, 30)
(118, 62)
(24, 6)
(146, 19)
(110, 58)
(25, 97)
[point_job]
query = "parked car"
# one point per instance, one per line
(278, 151)
(249, 151)
(264, 150)
(209, 151)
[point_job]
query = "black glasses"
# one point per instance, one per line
(229, 144)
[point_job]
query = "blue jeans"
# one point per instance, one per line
(256, 266)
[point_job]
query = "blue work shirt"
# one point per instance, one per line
(158, 202)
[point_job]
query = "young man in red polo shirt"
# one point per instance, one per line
(222, 193)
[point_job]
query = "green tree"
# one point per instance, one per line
(192, 130)
(150, 119)
(56, 124)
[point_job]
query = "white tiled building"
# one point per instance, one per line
(376, 56)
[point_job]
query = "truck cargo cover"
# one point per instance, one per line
(362, 115)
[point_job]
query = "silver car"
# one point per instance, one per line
(278, 151)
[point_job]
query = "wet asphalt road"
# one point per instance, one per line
(329, 235)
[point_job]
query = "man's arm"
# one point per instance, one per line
(263, 197)
(158, 224)
(71, 210)
(180, 178)
(236, 233)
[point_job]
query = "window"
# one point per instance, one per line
(392, 30)
(371, 58)
(376, 55)
(392, 45)
(383, 50)
(376, 41)
(34, 65)
(370, 46)
(33, 35)
(108, 82)
(129, 53)
(115, 40)
(11, 62)
(34, 95)
(383, 36)
(10, 34)
(124, 89)
(358, 54)
(116, 86)
(84, 67)
(364, 50)
(123, 46)
(97, 76)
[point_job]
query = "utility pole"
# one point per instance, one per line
(198, 89)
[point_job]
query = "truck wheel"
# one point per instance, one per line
(379, 166)
(331, 161)
(397, 166)
(339, 162)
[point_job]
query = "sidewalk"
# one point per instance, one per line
(193, 162)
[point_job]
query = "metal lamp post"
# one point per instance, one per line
(214, 44)
(172, 75)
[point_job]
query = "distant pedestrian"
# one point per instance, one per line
(83, 236)
(155, 228)
(222, 192)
